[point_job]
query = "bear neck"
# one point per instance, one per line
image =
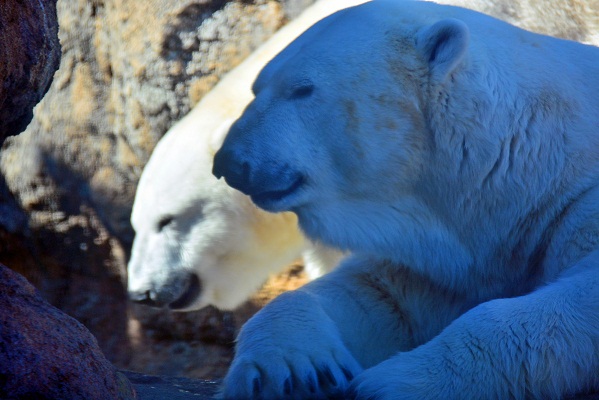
(512, 153)
(404, 232)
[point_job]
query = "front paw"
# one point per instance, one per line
(277, 374)
(290, 356)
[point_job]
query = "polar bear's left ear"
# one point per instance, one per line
(444, 45)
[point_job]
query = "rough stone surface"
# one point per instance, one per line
(129, 70)
(30, 55)
(44, 353)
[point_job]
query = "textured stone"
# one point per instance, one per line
(30, 54)
(46, 354)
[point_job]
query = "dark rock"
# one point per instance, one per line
(48, 355)
(30, 54)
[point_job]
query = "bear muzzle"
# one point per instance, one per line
(178, 294)
(267, 184)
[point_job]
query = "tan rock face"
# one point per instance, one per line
(30, 55)
(129, 70)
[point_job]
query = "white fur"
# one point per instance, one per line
(214, 231)
(457, 158)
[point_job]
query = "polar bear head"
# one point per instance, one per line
(340, 111)
(198, 241)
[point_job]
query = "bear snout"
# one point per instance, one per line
(236, 173)
(266, 184)
(179, 292)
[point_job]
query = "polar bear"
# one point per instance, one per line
(197, 241)
(457, 158)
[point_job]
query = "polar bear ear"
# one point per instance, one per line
(444, 45)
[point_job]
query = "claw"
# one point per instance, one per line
(326, 371)
(348, 375)
(256, 386)
(288, 386)
(311, 384)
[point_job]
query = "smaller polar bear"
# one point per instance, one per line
(198, 241)
(457, 157)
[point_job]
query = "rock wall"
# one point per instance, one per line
(129, 70)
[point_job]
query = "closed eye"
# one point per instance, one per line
(302, 91)
(164, 222)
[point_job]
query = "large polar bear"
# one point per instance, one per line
(457, 157)
(198, 241)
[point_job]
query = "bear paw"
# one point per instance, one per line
(280, 375)
(291, 356)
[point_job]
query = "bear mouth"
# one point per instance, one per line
(271, 200)
(189, 296)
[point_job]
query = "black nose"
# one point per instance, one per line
(236, 172)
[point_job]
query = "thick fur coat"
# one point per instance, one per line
(457, 157)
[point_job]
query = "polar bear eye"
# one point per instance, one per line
(164, 221)
(303, 90)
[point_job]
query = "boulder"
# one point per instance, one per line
(30, 54)
(44, 353)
